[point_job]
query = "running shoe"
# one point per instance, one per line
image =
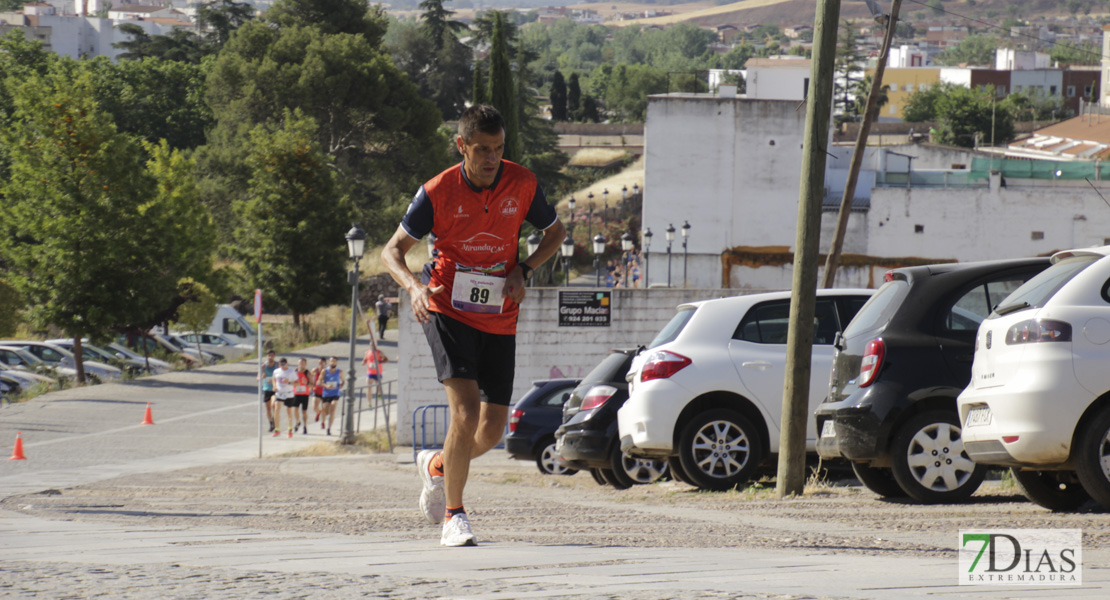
(305, 429)
(277, 433)
(433, 498)
(456, 532)
(290, 432)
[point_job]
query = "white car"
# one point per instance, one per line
(1039, 398)
(156, 366)
(215, 343)
(707, 393)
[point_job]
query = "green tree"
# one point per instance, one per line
(1025, 107)
(10, 307)
(847, 68)
(1087, 53)
(574, 97)
(974, 50)
(936, 7)
(331, 17)
(558, 97)
(198, 310)
(438, 22)
(84, 270)
(178, 45)
(220, 18)
(479, 87)
(293, 218)
(442, 75)
(966, 117)
(502, 89)
(863, 90)
(922, 105)
(383, 139)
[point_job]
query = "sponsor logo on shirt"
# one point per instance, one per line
(484, 242)
(461, 214)
(509, 207)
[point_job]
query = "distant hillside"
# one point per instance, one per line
(802, 12)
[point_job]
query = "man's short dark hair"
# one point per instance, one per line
(480, 117)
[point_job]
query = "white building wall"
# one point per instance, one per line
(985, 224)
(544, 350)
(1046, 82)
(778, 83)
(728, 166)
(956, 76)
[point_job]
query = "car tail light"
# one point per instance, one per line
(514, 419)
(888, 276)
(662, 364)
(872, 362)
(1038, 330)
(597, 396)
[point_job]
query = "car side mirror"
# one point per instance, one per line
(838, 339)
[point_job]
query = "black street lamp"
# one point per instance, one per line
(356, 241)
(571, 204)
(670, 240)
(626, 247)
(647, 257)
(533, 243)
(635, 189)
(605, 199)
(568, 251)
(599, 249)
(685, 233)
(624, 193)
(590, 217)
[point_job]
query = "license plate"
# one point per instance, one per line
(980, 415)
(828, 429)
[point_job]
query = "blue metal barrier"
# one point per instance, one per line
(438, 422)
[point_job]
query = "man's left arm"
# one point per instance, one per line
(543, 217)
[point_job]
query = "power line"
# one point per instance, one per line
(1008, 31)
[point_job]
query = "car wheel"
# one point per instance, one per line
(1051, 489)
(635, 471)
(1092, 457)
(617, 481)
(719, 449)
(929, 461)
(548, 461)
(596, 474)
(674, 466)
(878, 479)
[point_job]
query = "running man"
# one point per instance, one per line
(284, 377)
(302, 388)
(332, 381)
(468, 303)
(318, 386)
(267, 377)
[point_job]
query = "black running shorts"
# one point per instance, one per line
(301, 402)
(461, 351)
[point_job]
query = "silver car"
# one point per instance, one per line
(18, 358)
(56, 355)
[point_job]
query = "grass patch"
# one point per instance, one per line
(597, 157)
(367, 442)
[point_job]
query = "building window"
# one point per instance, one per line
(1071, 91)
(893, 109)
(1037, 235)
(1018, 88)
(1087, 90)
(919, 229)
(1052, 90)
(924, 87)
(1000, 91)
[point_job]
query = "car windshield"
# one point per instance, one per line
(879, 308)
(28, 359)
(674, 327)
(1038, 290)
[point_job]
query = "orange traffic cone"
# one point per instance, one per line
(148, 419)
(17, 454)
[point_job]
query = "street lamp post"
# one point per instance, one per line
(626, 247)
(605, 199)
(670, 240)
(685, 234)
(571, 205)
(356, 241)
(624, 193)
(568, 251)
(599, 249)
(635, 189)
(590, 217)
(647, 257)
(533, 243)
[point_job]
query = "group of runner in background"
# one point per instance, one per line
(292, 388)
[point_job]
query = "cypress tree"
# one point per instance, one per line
(478, 95)
(502, 91)
(558, 97)
(574, 97)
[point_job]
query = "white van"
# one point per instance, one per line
(235, 326)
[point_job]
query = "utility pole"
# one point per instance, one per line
(832, 261)
(799, 343)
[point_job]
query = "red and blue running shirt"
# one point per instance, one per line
(477, 231)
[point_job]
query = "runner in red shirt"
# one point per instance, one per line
(469, 300)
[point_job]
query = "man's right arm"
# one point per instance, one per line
(393, 255)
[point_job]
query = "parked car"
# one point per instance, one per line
(532, 424)
(1039, 399)
(57, 356)
(588, 438)
(897, 371)
(22, 378)
(97, 353)
(229, 323)
(214, 343)
(17, 357)
(707, 394)
(159, 345)
(204, 356)
(155, 366)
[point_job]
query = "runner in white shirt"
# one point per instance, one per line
(284, 378)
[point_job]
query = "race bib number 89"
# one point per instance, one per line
(477, 293)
